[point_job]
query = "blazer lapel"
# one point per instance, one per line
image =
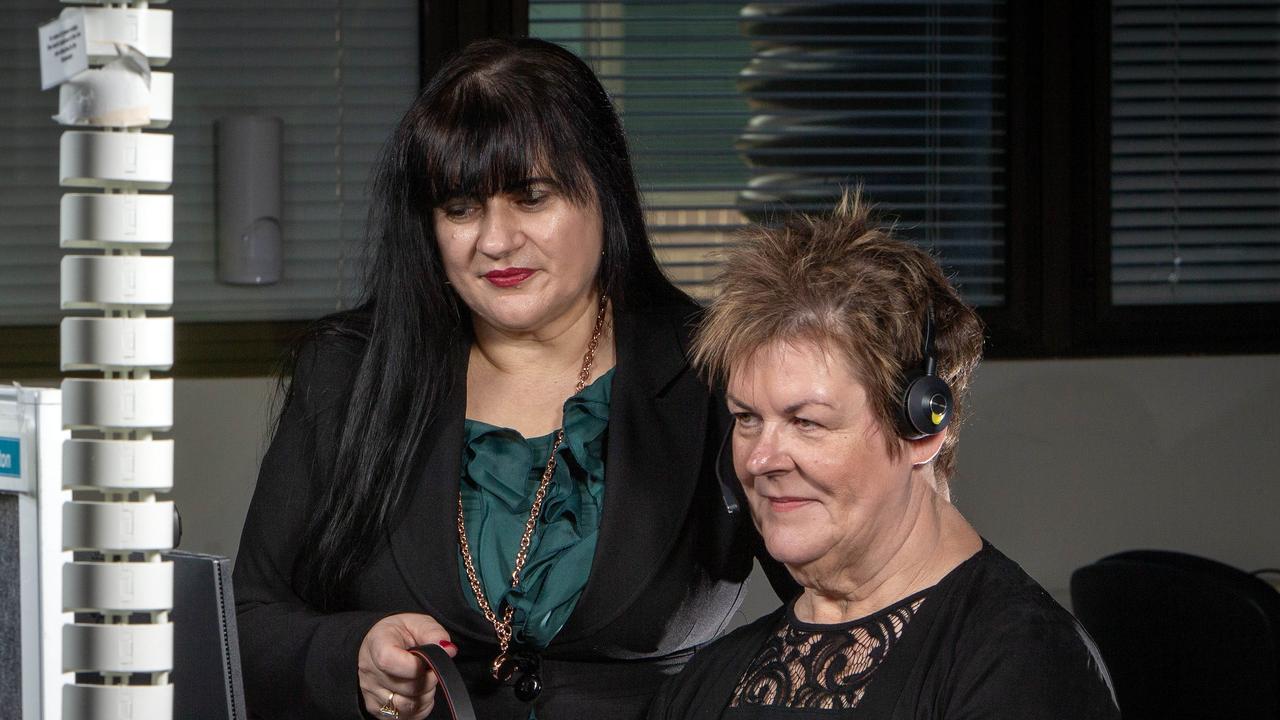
(424, 540)
(657, 417)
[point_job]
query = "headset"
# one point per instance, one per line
(926, 398)
(924, 409)
(730, 489)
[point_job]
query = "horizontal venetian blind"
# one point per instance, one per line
(735, 112)
(1195, 147)
(338, 102)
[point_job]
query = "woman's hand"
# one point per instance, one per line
(385, 666)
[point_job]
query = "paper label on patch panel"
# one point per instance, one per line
(64, 48)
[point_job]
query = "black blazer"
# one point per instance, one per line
(667, 575)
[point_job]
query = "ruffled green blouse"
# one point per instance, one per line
(500, 474)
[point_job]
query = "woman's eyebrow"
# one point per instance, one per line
(525, 184)
(454, 195)
(794, 408)
(791, 409)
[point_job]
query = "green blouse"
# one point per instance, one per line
(500, 474)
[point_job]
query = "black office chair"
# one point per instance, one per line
(1183, 636)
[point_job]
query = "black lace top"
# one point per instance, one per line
(987, 641)
(823, 667)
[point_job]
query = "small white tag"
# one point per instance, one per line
(131, 155)
(128, 466)
(125, 650)
(64, 48)
(129, 343)
(126, 584)
(130, 215)
(130, 270)
(128, 408)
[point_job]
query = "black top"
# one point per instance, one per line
(987, 642)
(822, 666)
(666, 576)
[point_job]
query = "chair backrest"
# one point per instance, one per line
(1183, 636)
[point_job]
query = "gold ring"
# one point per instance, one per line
(388, 708)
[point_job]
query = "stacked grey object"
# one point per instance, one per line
(849, 92)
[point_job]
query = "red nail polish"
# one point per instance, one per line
(446, 644)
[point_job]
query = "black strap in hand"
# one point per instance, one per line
(449, 680)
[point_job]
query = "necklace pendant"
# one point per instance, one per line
(501, 667)
(529, 686)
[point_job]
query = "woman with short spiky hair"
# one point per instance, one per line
(847, 356)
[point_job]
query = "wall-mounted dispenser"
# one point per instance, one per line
(249, 203)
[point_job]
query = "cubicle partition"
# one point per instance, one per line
(31, 554)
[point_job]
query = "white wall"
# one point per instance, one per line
(221, 430)
(1066, 461)
(1062, 462)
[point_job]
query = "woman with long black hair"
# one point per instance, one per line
(502, 450)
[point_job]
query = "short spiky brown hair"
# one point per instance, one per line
(845, 283)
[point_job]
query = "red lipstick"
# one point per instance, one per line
(508, 277)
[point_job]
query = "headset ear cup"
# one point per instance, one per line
(926, 407)
(730, 489)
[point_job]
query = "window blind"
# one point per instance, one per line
(736, 113)
(1195, 168)
(339, 73)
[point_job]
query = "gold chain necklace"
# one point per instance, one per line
(502, 625)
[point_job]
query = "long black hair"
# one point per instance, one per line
(499, 113)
